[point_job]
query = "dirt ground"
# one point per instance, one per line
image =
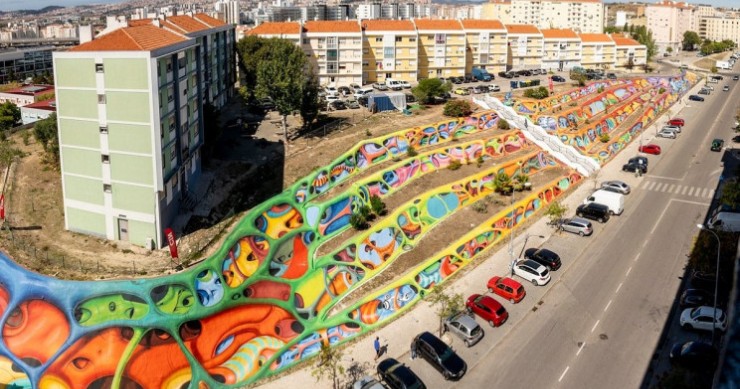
(709, 61)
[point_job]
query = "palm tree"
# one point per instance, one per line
(504, 184)
(521, 181)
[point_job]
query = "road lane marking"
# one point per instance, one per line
(665, 178)
(619, 287)
(607, 305)
(711, 193)
(594, 327)
(563, 375)
(628, 271)
(580, 348)
(704, 193)
(691, 192)
(691, 202)
(673, 186)
(659, 188)
(644, 243)
(683, 192)
(647, 184)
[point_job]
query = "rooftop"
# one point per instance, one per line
(276, 28)
(323, 26)
(480, 24)
(137, 38)
(387, 25)
(46, 105)
(622, 40)
(31, 90)
(559, 33)
(437, 24)
(596, 38)
(522, 29)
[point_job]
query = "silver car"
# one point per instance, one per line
(465, 327)
(616, 186)
(367, 382)
(672, 128)
(667, 134)
(577, 225)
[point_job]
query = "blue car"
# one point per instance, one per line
(696, 98)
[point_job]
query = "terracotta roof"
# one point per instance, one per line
(276, 28)
(596, 38)
(31, 90)
(138, 38)
(481, 24)
(208, 20)
(437, 24)
(559, 33)
(522, 29)
(319, 26)
(621, 40)
(387, 25)
(185, 24)
(46, 105)
(139, 22)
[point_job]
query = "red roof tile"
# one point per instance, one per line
(482, 24)
(437, 24)
(596, 38)
(186, 23)
(276, 28)
(622, 40)
(559, 33)
(321, 26)
(387, 25)
(208, 20)
(46, 105)
(522, 29)
(138, 38)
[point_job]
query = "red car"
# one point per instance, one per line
(488, 309)
(507, 288)
(650, 149)
(677, 122)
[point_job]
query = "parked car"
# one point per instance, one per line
(640, 160)
(462, 91)
(594, 211)
(736, 139)
(703, 318)
(398, 375)
(465, 327)
(410, 98)
(665, 133)
(532, 271)
(704, 91)
(726, 88)
(578, 226)
(535, 72)
(694, 355)
(380, 86)
(331, 91)
(526, 73)
(337, 105)
(633, 167)
(544, 257)
(695, 298)
(506, 74)
(456, 80)
(735, 78)
(611, 76)
(367, 382)
(355, 87)
(406, 84)
(677, 122)
(717, 144)
(440, 356)
(507, 288)
(353, 104)
(494, 88)
(650, 149)
(616, 186)
(469, 78)
(488, 309)
(557, 79)
(696, 98)
(676, 129)
(709, 87)
(362, 100)
(345, 91)
(480, 89)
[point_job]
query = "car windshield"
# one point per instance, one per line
(501, 311)
(696, 312)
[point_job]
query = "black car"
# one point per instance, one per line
(362, 100)
(718, 78)
(506, 74)
(696, 98)
(695, 298)
(544, 257)
(337, 105)
(717, 144)
(439, 355)
(694, 355)
(456, 80)
(398, 375)
(593, 211)
(469, 78)
(633, 167)
(480, 89)
(526, 73)
(736, 139)
(611, 76)
(410, 98)
(557, 79)
(640, 160)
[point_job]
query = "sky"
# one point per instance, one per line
(11, 5)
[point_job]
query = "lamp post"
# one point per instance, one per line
(716, 279)
(526, 238)
(513, 219)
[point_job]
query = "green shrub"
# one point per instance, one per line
(357, 221)
(377, 205)
(454, 165)
(457, 108)
(604, 138)
(480, 207)
(480, 160)
(538, 93)
(661, 91)
(503, 124)
(411, 152)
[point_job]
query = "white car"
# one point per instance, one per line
(494, 88)
(331, 91)
(711, 88)
(616, 186)
(672, 128)
(726, 88)
(532, 271)
(701, 318)
(667, 134)
(406, 84)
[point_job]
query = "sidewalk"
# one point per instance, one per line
(423, 318)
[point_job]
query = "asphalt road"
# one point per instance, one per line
(598, 323)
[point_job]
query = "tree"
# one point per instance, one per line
(669, 50)
(690, 40)
(645, 37)
(537, 93)
(457, 108)
(731, 194)
(10, 115)
(580, 78)
(8, 152)
(252, 50)
(503, 183)
(445, 304)
(713, 69)
(329, 365)
(555, 212)
(429, 88)
(45, 132)
(310, 100)
(503, 124)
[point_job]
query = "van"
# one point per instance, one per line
(363, 91)
(725, 221)
(614, 201)
(394, 84)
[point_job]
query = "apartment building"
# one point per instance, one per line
(720, 28)
(497, 10)
(586, 16)
(390, 50)
(668, 21)
(629, 52)
(130, 122)
(598, 51)
(561, 49)
(19, 64)
(525, 47)
(335, 50)
(486, 45)
(441, 48)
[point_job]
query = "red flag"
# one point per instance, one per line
(171, 241)
(550, 79)
(2, 206)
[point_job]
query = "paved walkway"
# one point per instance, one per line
(423, 318)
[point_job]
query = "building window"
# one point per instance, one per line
(305, 41)
(412, 39)
(103, 129)
(170, 94)
(169, 66)
(185, 92)
(378, 39)
(107, 188)
(161, 131)
(101, 99)
(181, 63)
(105, 158)
(99, 68)
(399, 39)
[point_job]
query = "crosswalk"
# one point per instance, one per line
(678, 189)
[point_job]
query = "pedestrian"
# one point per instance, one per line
(413, 350)
(376, 344)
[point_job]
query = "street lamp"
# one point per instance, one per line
(513, 219)
(526, 238)
(716, 279)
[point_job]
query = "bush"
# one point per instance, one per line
(480, 160)
(661, 91)
(377, 205)
(358, 222)
(503, 124)
(457, 108)
(538, 93)
(604, 138)
(411, 152)
(480, 207)
(454, 165)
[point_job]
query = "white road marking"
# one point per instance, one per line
(646, 185)
(665, 188)
(660, 218)
(691, 192)
(563, 375)
(685, 188)
(711, 193)
(580, 348)
(619, 287)
(607, 305)
(660, 186)
(644, 243)
(691, 202)
(704, 192)
(673, 186)
(594, 327)
(666, 178)
(628, 271)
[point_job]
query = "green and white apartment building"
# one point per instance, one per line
(130, 118)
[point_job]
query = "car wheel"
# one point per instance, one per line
(511, 300)
(687, 327)
(581, 233)
(490, 290)
(444, 328)
(611, 213)
(534, 282)
(601, 220)
(447, 376)
(467, 343)
(491, 323)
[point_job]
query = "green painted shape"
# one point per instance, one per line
(130, 138)
(173, 299)
(86, 221)
(82, 133)
(131, 168)
(87, 190)
(109, 308)
(74, 73)
(126, 73)
(128, 106)
(82, 162)
(133, 198)
(77, 103)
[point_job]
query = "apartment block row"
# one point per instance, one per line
(367, 51)
(669, 20)
(131, 122)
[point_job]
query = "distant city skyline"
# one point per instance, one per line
(14, 5)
